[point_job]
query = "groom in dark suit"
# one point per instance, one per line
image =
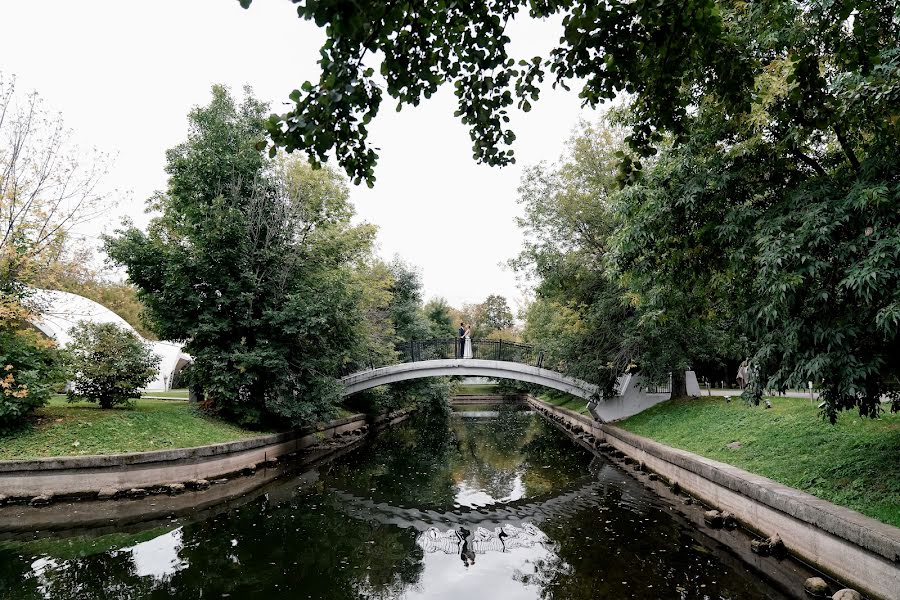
(461, 340)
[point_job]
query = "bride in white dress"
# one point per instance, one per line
(467, 348)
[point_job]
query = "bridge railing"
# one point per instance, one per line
(483, 349)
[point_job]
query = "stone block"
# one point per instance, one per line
(776, 546)
(760, 547)
(107, 493)
(42, 500)
(197, 484)
(846, 594)
(713, 518)
(816, 587)
(728, 520)
(136, 493)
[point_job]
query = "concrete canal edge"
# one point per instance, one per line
(853, 548)
(86, 476)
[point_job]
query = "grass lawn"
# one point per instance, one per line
(82, 546)
(855, 463)
(64, 429)
(183, 394)
(573, 403)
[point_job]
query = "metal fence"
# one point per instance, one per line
(481, 349)
(664, 388)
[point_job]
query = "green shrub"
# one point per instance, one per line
(110, 364)
(31, 369)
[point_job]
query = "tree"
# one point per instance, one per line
(31, 367)
(579, 317)
(374, 281)
(110, 365)
(784, 119)
(410, 322)
(47, 187)
(250, 263)
(439, 314)
(782, 219)
(494, 313)
(667, 54)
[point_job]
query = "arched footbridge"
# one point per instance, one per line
(504, 360)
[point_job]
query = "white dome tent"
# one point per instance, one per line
(60, 311)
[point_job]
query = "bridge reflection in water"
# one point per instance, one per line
(464, 542)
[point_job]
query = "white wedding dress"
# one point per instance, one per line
(467, 348)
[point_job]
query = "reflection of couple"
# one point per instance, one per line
(466, 544)
(464, 343)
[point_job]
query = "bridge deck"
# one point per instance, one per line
(471, 367)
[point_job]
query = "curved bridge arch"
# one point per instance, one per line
(364, 380)
(587, 495)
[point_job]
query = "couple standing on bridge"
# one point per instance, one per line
(464, 343)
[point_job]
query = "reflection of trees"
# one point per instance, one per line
(303, 548)
(611, 552)
(493, 453)
(483, 461)
(554, 462)
(421, 463)
(107, 575)
(404, 464)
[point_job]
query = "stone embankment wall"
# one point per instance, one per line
(86, 476)
(851, 547)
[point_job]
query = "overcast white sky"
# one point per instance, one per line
(125, 74)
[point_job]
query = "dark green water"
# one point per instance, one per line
(496, 508)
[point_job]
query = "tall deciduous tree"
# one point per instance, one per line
(783, 219)
(495, 314)
(440, 316)
(405, 319)
(249, 263)
(668, 54)
(47, 187)
(578, 317)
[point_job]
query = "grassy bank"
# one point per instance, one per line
(855, 463)
(573, 403)
(181, 394)
(64, 429)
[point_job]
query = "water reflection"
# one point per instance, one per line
(159, 557)
(471, 508)
(466, 543)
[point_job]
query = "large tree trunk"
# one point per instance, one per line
(679, 385)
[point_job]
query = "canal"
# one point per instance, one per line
(491, 505)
